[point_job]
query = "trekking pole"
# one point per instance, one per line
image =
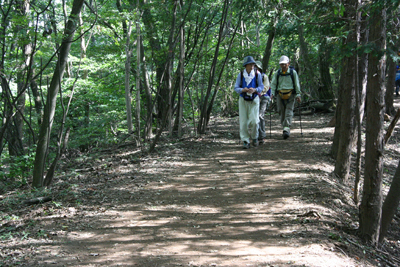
(270, 126)
(301, 128)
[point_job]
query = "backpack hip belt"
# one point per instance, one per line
(285, 93)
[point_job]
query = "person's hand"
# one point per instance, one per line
(251, 90)
(298, 99)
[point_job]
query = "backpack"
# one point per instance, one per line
(246, 96)
(291, 68)
(285, 95)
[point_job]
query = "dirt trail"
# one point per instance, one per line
(208, 202)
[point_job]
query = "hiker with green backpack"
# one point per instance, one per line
(249, 85)
(285, 86)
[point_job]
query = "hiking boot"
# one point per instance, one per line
(246, 145)
(255, 142)
(261, 141)
(286, 134)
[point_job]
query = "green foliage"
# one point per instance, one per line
(335, 237)
(16, 169)
(97, 115)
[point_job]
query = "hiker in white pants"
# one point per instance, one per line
(249, 85)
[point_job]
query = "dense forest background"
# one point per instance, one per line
(78, 76)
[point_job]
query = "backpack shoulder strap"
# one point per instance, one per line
(292, 76)
(256, 78)
(277, 78)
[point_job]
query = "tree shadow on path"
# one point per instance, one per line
(208, 202)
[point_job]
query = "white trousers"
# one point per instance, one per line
(248, 118)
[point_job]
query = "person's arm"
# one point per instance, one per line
(296, 83)
(260, 87)
(273, 85)
(266, 81)
(238, 89)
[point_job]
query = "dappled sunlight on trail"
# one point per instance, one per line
(215, 205)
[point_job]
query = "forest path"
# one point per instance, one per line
(209, 202)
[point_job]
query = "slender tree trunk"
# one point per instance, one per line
(270, 41)
(160, 61)
(169, 67)
(347, 123)
(390, 205)
(326, 90)
(371, 205)
(38, 100)
(361, 85)
(15, 136)
(203, 115)
(7, 115)
(338, 113)
(61, 144)
(393, 24)
(84, 77)
(45, 128)
(149, 105)
(181, 78)
(138, 108)
(128, 96)
(363, 65)
(390, 85)
(347, 120)
(310, 85)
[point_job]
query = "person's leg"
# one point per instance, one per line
(287, 122)
(261, 127)
(281, 109)
(254, 119)
(397, 86)
(244, 132)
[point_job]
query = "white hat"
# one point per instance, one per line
(284, 60)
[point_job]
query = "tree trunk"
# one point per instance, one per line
(128, 96)
(149, 105)
(7, 111)
(326, 90)
(38, 101)
(361, 86)
(346, 124)
(16, 131)
(391, 64)
(390, 85)
(169, 67)
(160, 61)
(391, 204)
(270, 42)
(138, 141)
(371, 205)
(203, 121)
(84, 77)
(45, 128)
(338, 113)
(308, 85)
(363, 65)
(181, 77)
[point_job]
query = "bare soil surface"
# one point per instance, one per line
(200, 202)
